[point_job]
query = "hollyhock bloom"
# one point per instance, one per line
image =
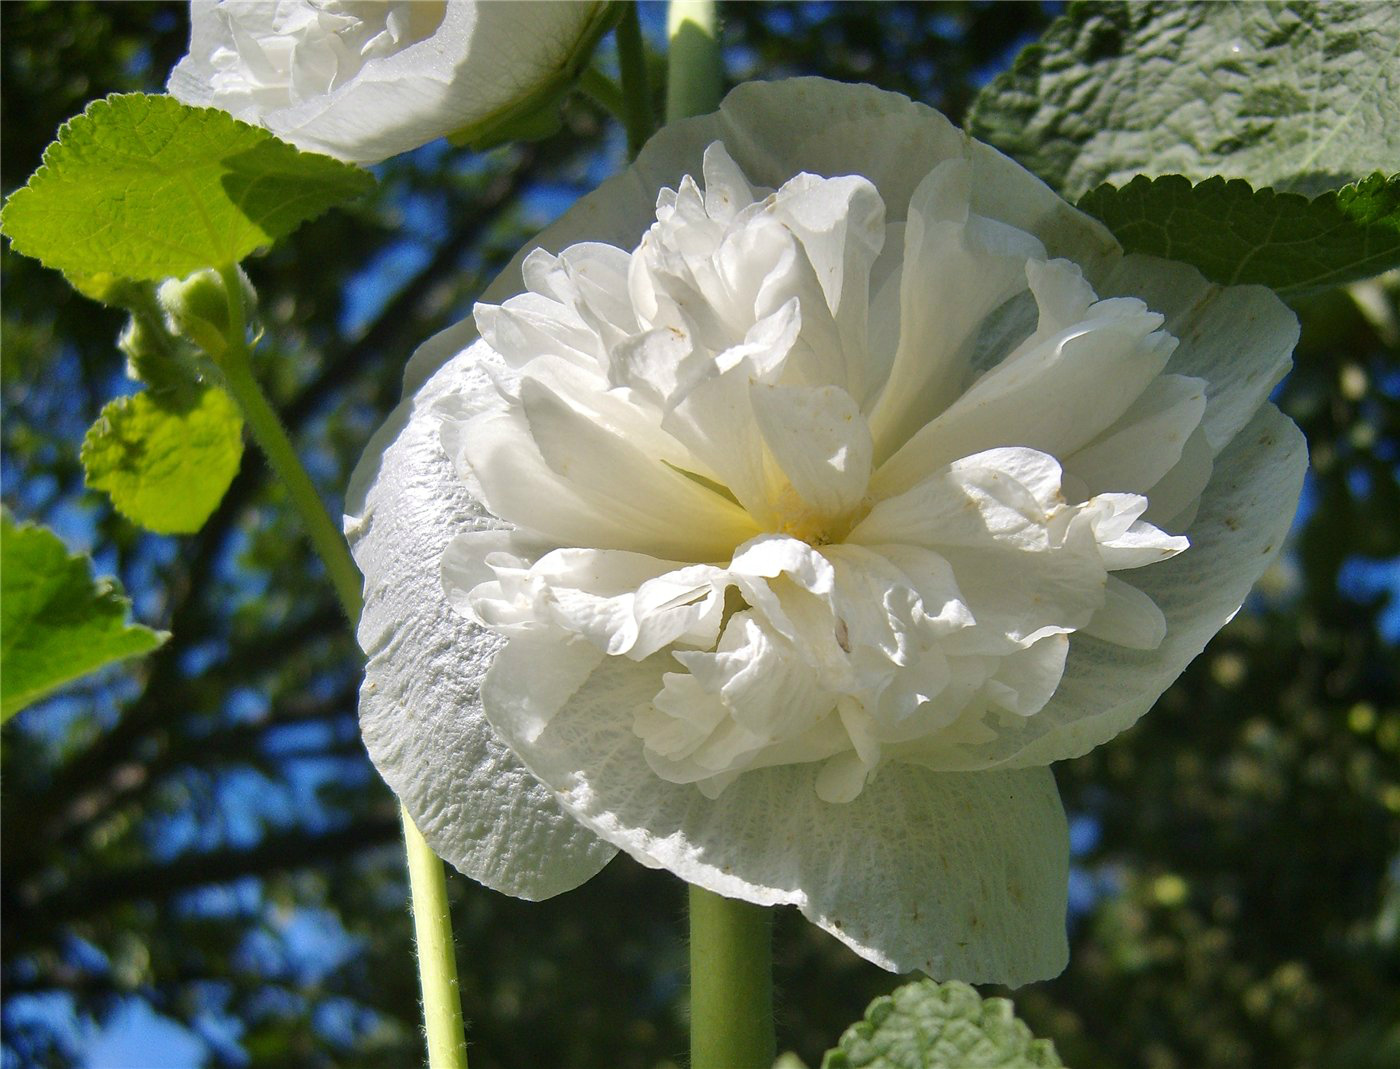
(781, 517)
(363, 80)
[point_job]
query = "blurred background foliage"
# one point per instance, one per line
(202, 868)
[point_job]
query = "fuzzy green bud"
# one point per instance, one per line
(196, 308)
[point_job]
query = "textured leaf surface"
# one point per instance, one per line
(165, 459)
(1297, 96)
(56, 624)
(1234, 234)
(144, 187)
(927, 1025)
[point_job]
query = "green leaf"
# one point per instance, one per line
(928, 1025)
(1234, 234)
(1299, 97)
(165, 459)
(56, 624)
(144, 187)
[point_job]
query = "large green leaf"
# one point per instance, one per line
(1235, 234)
(144, 187)
(56, 624)
(165, 459)
(928, 1025)
(1296, 96)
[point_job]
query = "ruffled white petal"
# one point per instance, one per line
(1054, 396)
(957, 268)
(1238, 339)
(1244, 517)
(1147, 440)
(819, 439)
(546, 467)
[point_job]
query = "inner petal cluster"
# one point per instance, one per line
(846, 485)
(290, 51)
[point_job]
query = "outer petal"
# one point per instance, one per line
(1243, 519)
(955, 874)
(420, 705)
(774, 129)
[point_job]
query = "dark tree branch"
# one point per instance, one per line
(157, 881)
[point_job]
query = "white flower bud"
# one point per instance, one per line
(364, 81)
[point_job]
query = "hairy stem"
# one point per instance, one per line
(437, 958)
(437, 963)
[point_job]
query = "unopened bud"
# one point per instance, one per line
(153, 357)
(197, 308)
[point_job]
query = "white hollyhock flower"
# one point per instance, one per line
(363, 80)
(808, 490)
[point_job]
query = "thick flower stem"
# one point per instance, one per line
(694, 71)
(731, 983)
(437, 963)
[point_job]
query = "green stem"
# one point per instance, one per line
(695, 71)
(604, 90)
(236, 364)
(437, 959)
(437, 963)
(636, 90)
(731, 983)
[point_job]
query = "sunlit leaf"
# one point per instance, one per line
(166, 459)
(56, 623)
(144, 187)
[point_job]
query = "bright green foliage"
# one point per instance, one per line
(165, 459)
(928, 1025)
(1297, 96)
(1235, 234)
(144, 187)
(56, 624)
(106, 288)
